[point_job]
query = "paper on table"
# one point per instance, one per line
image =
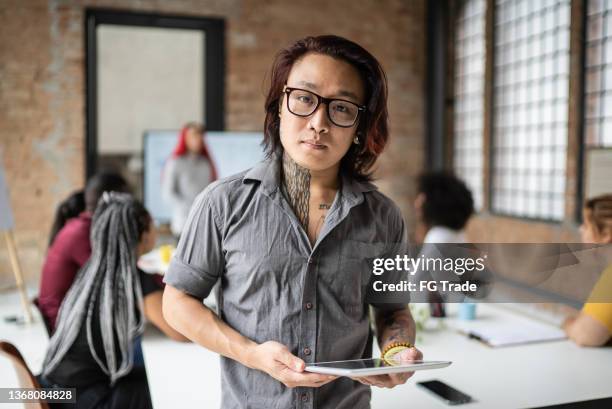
(505, 334)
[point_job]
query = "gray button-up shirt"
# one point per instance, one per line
(276, 286)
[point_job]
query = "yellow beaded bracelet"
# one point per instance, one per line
(394, 348)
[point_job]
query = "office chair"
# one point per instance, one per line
(24, 375)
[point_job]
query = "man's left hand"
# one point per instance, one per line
(391, 380)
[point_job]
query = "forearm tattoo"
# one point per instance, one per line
(296, 180)
(395, 326)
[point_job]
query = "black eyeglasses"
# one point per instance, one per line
(340, 112)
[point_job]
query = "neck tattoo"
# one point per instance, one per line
(324, 206)
(296, 180)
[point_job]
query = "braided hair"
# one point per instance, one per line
(107, 285)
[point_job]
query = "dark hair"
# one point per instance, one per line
(372, 129)
(448, 201)
(598, 212)
(105, 181)
(71, 207)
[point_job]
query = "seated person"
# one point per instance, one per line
(96, 343)
(70, 248)
(593, 326)
(70, 208)
(443, 206)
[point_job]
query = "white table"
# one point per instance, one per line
(522, 376)
(186, 375)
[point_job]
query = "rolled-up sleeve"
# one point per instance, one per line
(198, 262)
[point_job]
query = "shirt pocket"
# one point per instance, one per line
(356, 260)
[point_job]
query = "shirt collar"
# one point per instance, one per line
(267, 173)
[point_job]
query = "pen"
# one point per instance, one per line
(477, 337)
(471, 335)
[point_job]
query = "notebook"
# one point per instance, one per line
(502, 334)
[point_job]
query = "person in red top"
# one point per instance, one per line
(71, 248)
(70, 208)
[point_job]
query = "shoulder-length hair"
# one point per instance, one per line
(181, 145)
(372, 129)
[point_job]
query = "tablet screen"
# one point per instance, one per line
(372, 366)
(362, 364)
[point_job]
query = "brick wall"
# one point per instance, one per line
(42, 91)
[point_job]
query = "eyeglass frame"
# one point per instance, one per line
(322, 100)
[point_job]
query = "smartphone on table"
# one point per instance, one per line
(445, 392)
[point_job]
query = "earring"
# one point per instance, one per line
(356, 140)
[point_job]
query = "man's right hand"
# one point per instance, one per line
(276, 360)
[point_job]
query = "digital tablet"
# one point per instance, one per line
(373, 366)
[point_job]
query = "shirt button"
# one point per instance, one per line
(309, 306)
(307, 351)
(310, 261)
(304, 397)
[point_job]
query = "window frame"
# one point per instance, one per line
(214, 73)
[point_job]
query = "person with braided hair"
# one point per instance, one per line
(593, 326)
(96, 345)
(69, 247)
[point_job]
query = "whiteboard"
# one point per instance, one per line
(231, 152)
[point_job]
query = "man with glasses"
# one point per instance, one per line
(290, 239)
